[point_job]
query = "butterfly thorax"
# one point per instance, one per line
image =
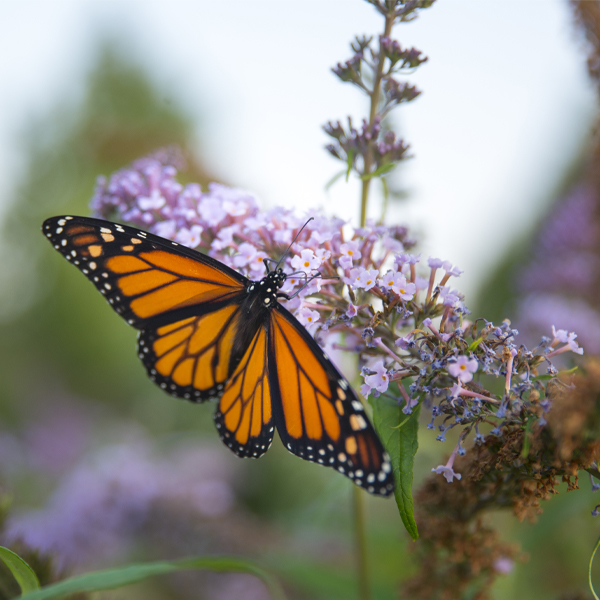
(264, 292)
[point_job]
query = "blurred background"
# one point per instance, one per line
(97, 466)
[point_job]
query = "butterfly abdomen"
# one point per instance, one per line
(255, 311)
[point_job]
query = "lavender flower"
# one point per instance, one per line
(463, 368)
(446, 470)
(559, 284)
(101, 505)
(373, 151)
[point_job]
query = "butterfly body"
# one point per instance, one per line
(206, 331)
(260, 300)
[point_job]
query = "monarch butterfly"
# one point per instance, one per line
(206, 331)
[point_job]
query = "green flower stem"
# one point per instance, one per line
(358, 506)
(376, 92)
(359, 501)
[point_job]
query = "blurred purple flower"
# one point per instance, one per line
(558, 285)
(377, 379)
(236, 585)
(539, 311)
(447, 470)
(504, 565)
(106, 500)
(52, 442)
(463, 368)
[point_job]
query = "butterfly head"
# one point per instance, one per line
(268, 287)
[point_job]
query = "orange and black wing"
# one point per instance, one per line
(317, 414)
(244, 417)
(191, 358)
(145, 278)
(186, 304)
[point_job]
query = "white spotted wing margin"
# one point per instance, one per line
(316, 412)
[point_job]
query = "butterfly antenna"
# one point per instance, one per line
(306, 282)
(293, 242)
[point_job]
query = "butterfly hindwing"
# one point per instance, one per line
(318, 416)
(191, 358)
(244, 416)
(143, 277)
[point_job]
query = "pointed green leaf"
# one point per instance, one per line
(334, 179)
(548, 376)
(116, 578)
(473, 345)
(402, 444)
(21, 571)
(382, 170)
(349, 163)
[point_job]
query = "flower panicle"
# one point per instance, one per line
(373, 67)
(401, 315)
(402, 10)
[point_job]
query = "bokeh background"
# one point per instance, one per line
(97, 466)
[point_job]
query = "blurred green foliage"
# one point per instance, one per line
(55, 330)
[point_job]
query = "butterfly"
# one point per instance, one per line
(206, 331)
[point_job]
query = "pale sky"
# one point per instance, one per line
(505, 102)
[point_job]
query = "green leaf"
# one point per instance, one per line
(386, 197)
(474, 344)
(334, 179)
(21, 571)
(382, 170)
(116, 578)
(548, 376)
(402, 444)
(544, 377)
(590, 569)
(527, 437)
(349, 163)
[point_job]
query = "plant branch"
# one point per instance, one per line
(358, 508)
(375, 94)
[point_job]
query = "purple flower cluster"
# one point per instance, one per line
(373, 151)
(107, 499)
(226, 223)
(409, 327)
(352, 145)
(559, 285)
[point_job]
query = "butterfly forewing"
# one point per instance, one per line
(318, 416)
(143, 277)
